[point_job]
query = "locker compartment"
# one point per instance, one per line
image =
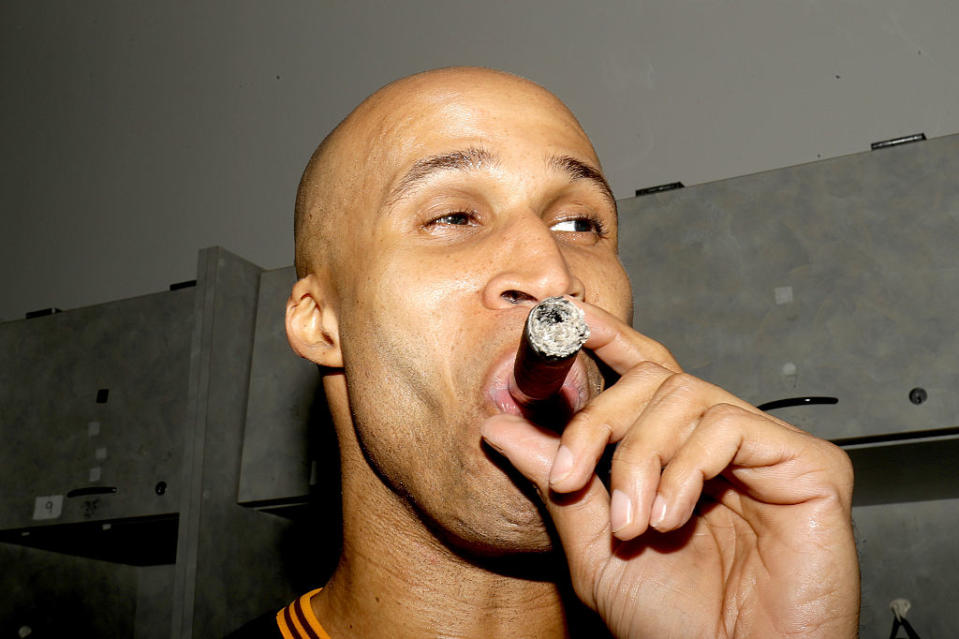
(829, 279)
(93, 411)
(153, 390)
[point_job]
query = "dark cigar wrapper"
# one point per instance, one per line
(554, 334)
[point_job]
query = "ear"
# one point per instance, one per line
(311, 324)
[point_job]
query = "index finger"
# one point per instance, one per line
(619, 345)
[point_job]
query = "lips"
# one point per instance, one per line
(573, 395)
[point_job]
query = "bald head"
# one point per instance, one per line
(355, 168)
(427, 223)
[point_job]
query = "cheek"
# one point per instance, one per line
(425, 305)
(399, 333)
(426, 279)
(623, 294)
(608, 287)
(414, 355)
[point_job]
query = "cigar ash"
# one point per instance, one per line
(556, 328)
(555, 331)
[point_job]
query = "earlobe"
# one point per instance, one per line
(311, 324)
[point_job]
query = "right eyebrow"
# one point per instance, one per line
(462, 160)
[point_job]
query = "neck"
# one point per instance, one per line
(375, 594)
(396, 579)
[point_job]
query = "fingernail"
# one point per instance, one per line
(620, 510)
(658, 512)
(562, 465)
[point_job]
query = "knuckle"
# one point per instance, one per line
(722, 416)
(835, 475)
(842, 467)
(632, 453)
(588, 421)
(680, 386)
(583, 420)
(644, 370)
(680, 383)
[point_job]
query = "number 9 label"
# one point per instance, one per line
(48, 507)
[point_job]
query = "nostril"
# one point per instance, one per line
(515, 297)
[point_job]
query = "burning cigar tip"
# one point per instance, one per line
(555, 331)
(556, 328)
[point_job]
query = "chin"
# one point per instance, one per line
(505, 523)
(528, 553)
(503, 545)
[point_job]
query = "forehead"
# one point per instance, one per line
(517, 122)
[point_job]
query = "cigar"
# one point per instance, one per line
(555, 331)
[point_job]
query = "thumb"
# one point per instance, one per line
(530, 449)
(581, 518)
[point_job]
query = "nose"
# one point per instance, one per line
(530, 267)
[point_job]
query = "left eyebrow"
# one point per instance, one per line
(579, 170)
(462, 160)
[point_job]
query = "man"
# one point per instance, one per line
(427, 225)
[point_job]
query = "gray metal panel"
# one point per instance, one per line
(276, 441)
(909, 550)
(231, 564)
(54, 431)
(56, 595)
(902, 471)
(154, 601)
(834, 278)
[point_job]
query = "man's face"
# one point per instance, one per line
(478, 201)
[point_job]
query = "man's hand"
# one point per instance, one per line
(723, 521)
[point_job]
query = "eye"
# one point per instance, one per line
(459, 218)
(580, 225)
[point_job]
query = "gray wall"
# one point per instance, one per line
(136, 132)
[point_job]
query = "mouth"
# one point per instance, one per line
(552, 413)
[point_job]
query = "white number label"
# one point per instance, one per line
(49, 507)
